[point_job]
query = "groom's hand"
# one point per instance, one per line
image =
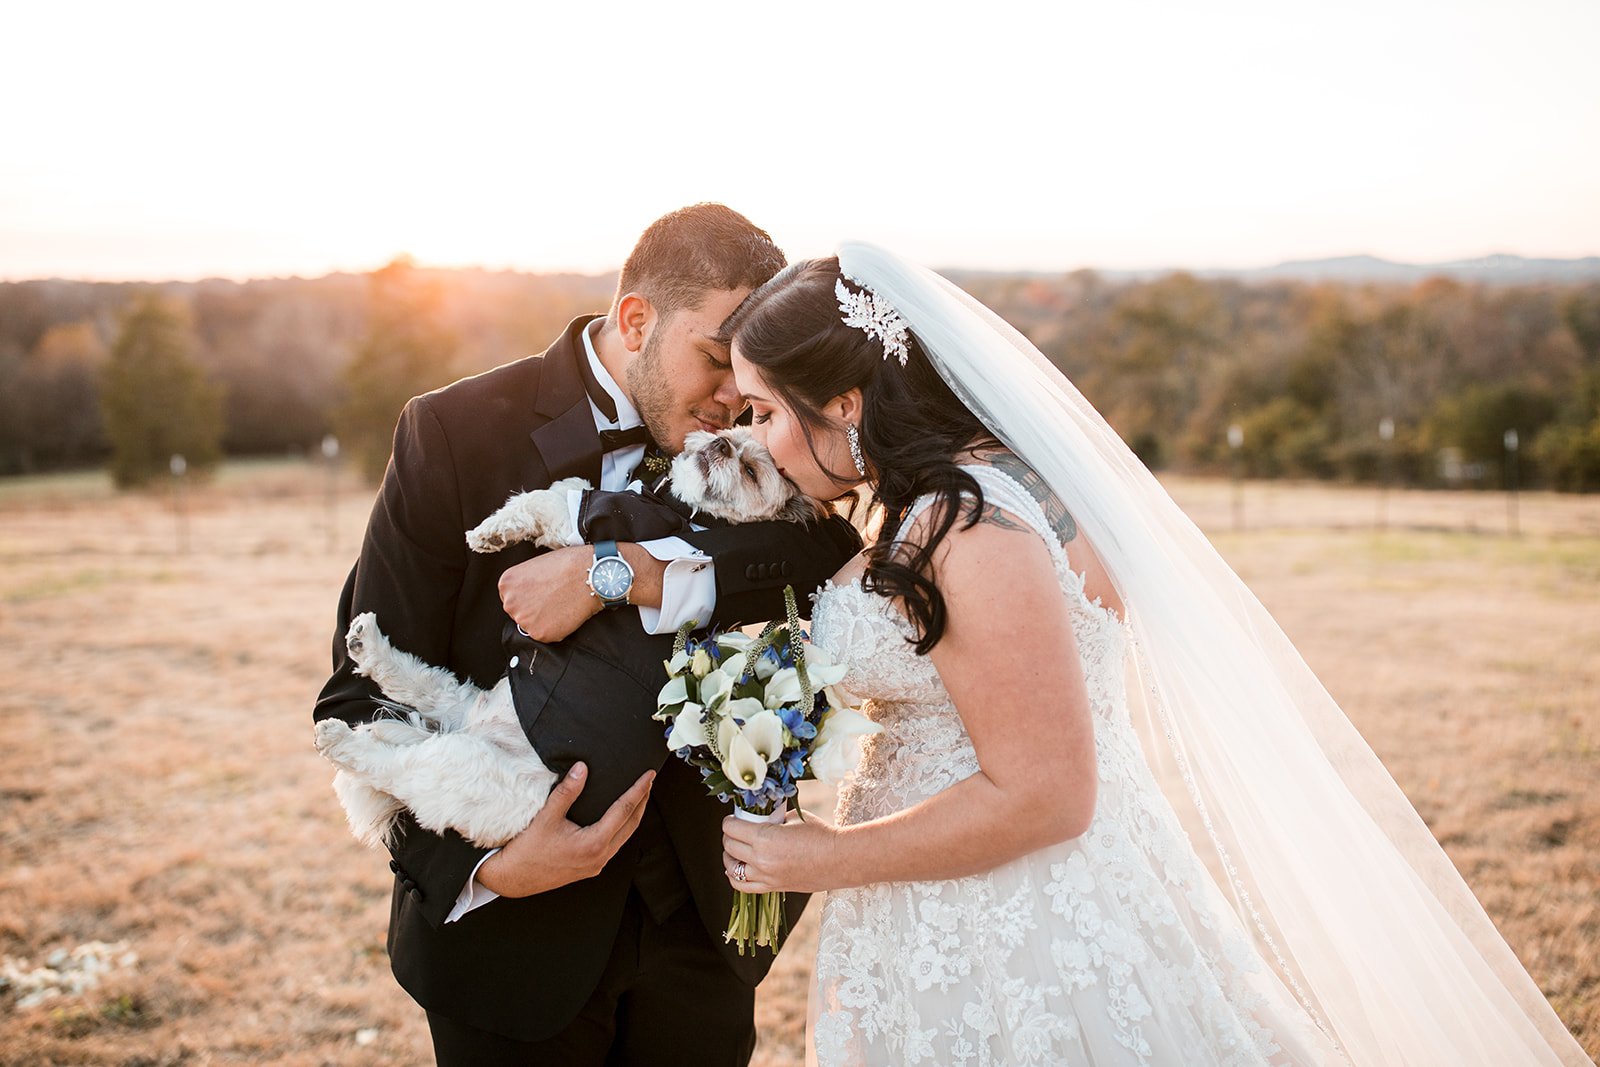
(549, 596)
(554, 851)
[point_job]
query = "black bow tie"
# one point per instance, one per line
(612, 440)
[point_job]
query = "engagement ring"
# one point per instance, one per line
(739, 871)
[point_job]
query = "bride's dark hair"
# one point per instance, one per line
(912, 426)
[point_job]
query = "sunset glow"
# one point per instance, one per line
(185, 140)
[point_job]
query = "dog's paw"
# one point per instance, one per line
(363, 637)
(327, 733)
(487, 536)
(355, 638)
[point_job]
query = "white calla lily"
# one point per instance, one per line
(782, 688)
(820, 668)
(837, 751)
(823, 677)
(743, 765)
(676, 691)
(815, 656)
(678, 662)
(735, 641)
(764, 731)
(715, 687)
(688, 728)
(745, 708)
(727, 730)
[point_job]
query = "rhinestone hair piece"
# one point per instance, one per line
(877, 317)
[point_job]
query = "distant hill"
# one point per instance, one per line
(1493, 270)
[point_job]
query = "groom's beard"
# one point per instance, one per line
(650, 384)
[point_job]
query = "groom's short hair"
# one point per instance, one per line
(695, 250)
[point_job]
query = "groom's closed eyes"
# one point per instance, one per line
(717, 357)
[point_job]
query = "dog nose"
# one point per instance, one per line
(721, 446)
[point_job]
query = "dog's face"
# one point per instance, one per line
(731, 475)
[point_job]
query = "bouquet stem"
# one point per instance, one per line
(757, 918)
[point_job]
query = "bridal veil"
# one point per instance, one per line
(1346, 891)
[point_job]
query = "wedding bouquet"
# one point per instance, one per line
(757, 716)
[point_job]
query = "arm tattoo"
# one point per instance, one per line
(1055, 513)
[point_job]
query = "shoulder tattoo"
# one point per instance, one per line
(991, 515)
(1055, 512)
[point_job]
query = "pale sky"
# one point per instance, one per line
(238, 139)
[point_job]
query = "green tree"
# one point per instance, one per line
(1580, 310)
(1569, 456)
(1284, 437)
(407, 350)
(155, 397)
(1568, 451)
(1476, 419)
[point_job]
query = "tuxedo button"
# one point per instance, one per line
(394, 866)
(784, 568)
(750, 572)
(415, 894)
(514, 661)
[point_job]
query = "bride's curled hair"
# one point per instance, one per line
(912, 426)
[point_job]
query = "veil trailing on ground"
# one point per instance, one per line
(1327, 864)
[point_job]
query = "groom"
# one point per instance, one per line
(599, 943)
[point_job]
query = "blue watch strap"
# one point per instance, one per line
(605, 550)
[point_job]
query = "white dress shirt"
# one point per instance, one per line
(688, 588)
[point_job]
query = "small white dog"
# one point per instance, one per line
(456, 755)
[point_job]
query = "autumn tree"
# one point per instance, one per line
(407, 350)
(64, 389)
(155, 398)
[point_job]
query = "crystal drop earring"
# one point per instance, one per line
(853, 435)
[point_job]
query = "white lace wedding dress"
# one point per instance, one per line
(1114, 948)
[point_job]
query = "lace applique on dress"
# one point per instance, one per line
(1113, 948)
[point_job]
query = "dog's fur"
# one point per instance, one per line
(456, 755)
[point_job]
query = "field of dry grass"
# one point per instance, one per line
(158, 790)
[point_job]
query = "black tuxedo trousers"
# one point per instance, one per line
(525, 967)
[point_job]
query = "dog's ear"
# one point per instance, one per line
(802, 509)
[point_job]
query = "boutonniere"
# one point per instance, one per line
(655, 464)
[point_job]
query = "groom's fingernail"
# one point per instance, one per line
(579, 770)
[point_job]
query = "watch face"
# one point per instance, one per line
(611, 578)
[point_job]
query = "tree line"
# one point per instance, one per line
(1308, 377)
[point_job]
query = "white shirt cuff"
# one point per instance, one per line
(472, 895)
(574, 501)
(688, 588)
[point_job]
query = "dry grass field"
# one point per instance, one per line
(158, 790)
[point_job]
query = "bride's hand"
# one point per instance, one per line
(793, 857)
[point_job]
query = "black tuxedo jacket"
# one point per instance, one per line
(524, 967)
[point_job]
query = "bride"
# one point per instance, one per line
(1112, 817)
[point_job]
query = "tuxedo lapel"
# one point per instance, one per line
(567, 443)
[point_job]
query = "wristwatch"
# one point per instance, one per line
(610, 576)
